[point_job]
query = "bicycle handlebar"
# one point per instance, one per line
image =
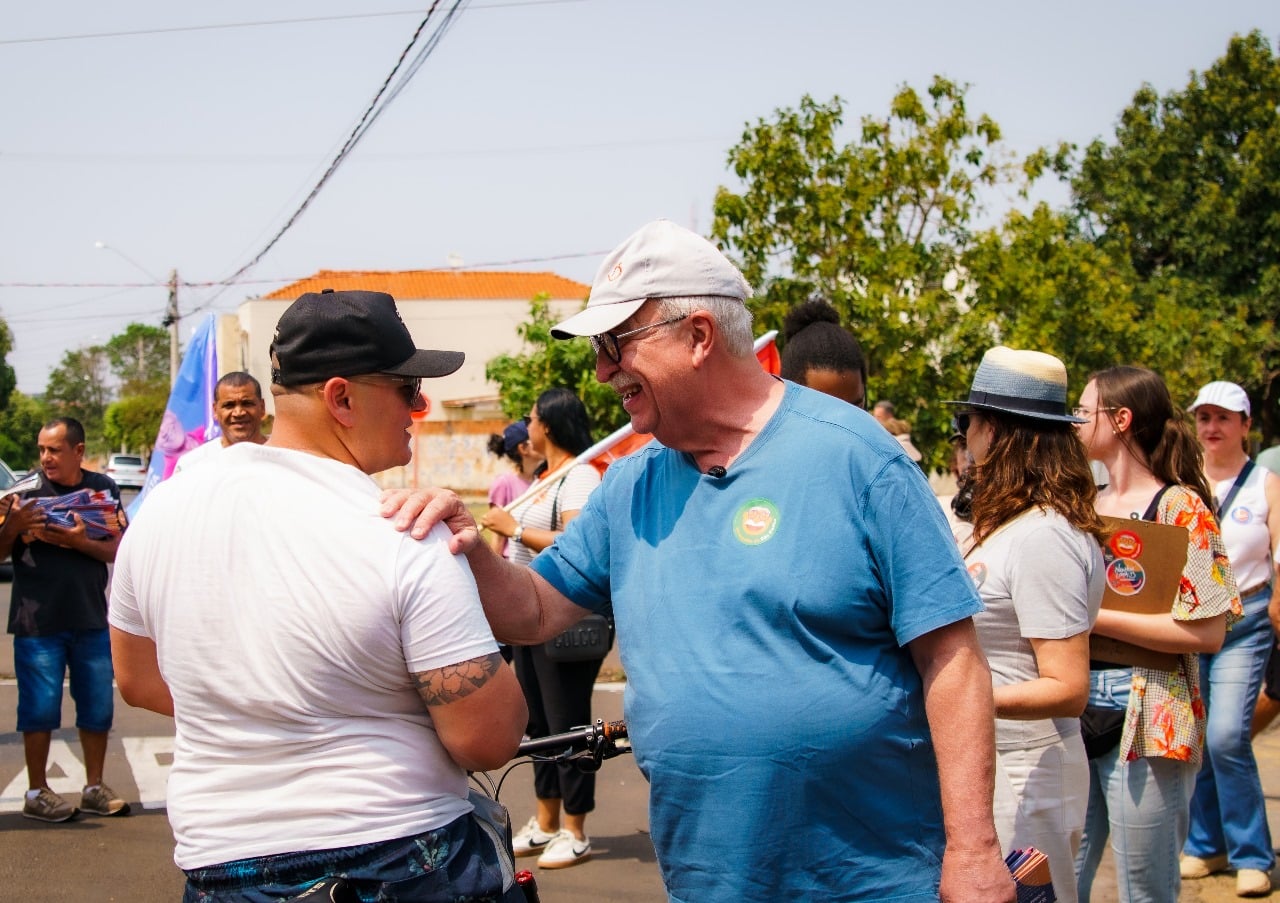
(591, 737)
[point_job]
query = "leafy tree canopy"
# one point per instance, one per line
(877, 225)
(1188, 196)
(20, 423)
(139, 359)
(78, 388)
(133, 422)
(551, 363)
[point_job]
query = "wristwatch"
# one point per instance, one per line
(518, 536)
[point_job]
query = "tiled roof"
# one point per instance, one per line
(404, 285)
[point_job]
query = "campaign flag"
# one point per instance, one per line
(624, 440)
(188, 417)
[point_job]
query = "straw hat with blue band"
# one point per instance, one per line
(1024, 383)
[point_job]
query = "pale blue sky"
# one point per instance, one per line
(536, 129)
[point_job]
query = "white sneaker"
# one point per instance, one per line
(531, 840)
(563, 851)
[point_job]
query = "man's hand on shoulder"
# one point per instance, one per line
(976, 876)
(418, 510)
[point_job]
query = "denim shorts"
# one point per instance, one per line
(40, 664)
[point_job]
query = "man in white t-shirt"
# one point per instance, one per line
(239, 408)
(332, 680)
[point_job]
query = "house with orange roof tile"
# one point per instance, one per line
(475, 312)
(470, 311)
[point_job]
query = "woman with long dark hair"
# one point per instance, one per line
(1140, 790)
(1036, 557)
(558, 693)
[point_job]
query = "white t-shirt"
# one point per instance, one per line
(287, 616)
(1039, 578)
(1244, 529)
(567, 495)
(199, 454)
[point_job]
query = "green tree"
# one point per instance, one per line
(139, 359)
(550, 363)
(78, 388)
(878, 225)
(133, 422)
(20, 423)
(8, 379)
(1038, 283)
(1188, 194)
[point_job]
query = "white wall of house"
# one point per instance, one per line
(482, 329)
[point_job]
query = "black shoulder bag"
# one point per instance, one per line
(592, 637)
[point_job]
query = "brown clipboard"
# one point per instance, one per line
(1143, 563)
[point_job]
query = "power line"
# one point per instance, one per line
(255, 24)
(370, 115)
(577, 255)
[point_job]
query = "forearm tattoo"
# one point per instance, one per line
(445, 685)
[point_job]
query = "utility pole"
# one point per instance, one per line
(171, 320)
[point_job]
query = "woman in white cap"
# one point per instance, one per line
(1140, 789)
(1036, 557)
(1228, 810)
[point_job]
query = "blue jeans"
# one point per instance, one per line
(41, 662)
(1228, 810)
(1142, 805)
(454, 864)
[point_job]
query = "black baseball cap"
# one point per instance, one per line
(326, 334)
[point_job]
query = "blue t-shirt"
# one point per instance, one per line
(762, 620)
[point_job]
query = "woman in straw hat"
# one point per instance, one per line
(1140, 790)
(1228, 810)
(1036, 557)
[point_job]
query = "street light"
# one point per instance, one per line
(172, 317)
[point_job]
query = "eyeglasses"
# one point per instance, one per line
(409, 387)
(1087, 413)
(961, 422)
(611, 344)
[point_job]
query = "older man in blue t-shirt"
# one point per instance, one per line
(805, 693)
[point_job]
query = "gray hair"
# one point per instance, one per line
(731, 317)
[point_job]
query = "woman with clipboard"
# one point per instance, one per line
(1228, 810)
(1140, 791)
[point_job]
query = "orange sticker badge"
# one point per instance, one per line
(1126, 577)
(755, 522)
(1126, 544)
(1242, 515)
(978, 573)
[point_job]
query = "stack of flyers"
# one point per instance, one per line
(95, 507)
(1030, 870)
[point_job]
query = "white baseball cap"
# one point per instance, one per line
(1225, 395)
(661, 260)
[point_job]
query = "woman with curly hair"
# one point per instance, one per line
(1036, 557)
(1140, 790)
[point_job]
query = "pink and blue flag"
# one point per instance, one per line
(188, 417)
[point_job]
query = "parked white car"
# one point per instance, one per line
(129, 471)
